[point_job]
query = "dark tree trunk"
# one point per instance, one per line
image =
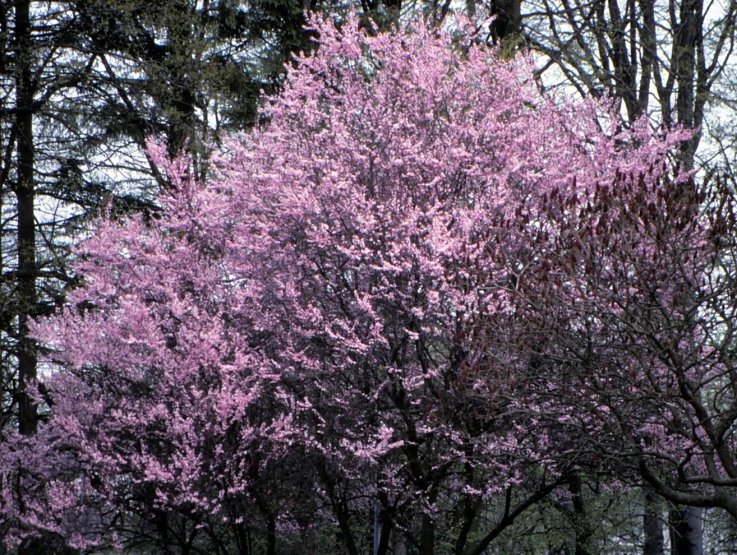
(25, 193)
(652, 524)
(427, 536)
(180, 106)
(582, 526)
(686, 531)
(507, 22)
(688, 41)
(271, 536)
(386, 532)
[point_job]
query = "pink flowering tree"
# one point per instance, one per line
(332, 330)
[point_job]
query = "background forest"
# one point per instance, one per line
(614, 433)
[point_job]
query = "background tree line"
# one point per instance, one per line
(84, 84)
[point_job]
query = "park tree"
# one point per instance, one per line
(185, 71)
(343, 298)
(78, 101)
(673, 61)
(83, 84)
(670, 60)
(648, 334)
(83, 88)
(48, 184)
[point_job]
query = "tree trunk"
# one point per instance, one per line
(271, 536)
(582, 526)
(385, 532)
(507, 22)
(652, 524)
(688, 39)
(180, 102)
(26, 232)
(399, 545)
(427, 536)
(25, 193)
(686, 531)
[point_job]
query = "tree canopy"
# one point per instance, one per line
(423, 294)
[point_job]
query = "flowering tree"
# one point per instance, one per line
(636, 296)
(332, 330)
